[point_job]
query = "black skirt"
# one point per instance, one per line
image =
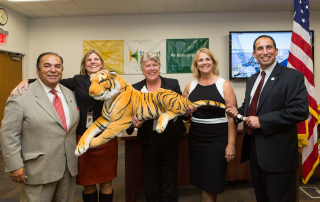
(208, 165)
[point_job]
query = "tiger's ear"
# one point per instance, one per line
(113, 74)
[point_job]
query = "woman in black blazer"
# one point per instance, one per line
(159, 152)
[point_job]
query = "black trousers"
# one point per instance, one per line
(271, 186)
(160, 168)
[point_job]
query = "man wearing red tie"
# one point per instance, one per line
(275, 101)
(38, 136)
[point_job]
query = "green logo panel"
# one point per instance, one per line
(180, 53)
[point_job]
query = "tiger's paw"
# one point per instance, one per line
(160, 128)
(81, 148)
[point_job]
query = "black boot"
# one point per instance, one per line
(93, 197)
(105, 197)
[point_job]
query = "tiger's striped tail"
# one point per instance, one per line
(239, 116)
(215, 104)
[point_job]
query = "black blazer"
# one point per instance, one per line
(174, 130)
(282, 104)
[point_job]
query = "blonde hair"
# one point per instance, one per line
(196, 73)
(149, 56)
(84, 59)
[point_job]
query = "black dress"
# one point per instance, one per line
(208, 139)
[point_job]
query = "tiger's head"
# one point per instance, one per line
(104, 85)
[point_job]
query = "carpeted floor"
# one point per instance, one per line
(239, 191)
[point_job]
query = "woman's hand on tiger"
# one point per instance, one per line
(232, 111)
(136, 123)
(23, 84)
(190, 110)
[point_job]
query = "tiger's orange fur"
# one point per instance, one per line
(122, 101)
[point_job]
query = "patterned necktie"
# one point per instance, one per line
(254, 102)
(57, 104)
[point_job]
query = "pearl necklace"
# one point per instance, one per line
(205, 83)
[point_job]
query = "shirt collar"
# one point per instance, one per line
(47, 89)
(269, 69)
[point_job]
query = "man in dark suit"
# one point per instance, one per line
(276, 100)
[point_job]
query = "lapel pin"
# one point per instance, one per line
(272, 78)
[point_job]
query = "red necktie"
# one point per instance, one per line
(254, 102)
(57, 104)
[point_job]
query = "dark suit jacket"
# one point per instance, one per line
(174, 129)
(282, 104)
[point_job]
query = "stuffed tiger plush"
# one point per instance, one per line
(122, 101)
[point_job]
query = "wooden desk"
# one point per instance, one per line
(133, 167)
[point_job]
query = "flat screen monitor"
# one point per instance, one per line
(242, 64)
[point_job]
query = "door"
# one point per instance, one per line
(10, 76)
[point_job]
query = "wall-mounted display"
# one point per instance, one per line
(242, 64)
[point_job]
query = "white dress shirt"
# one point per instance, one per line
(268, 72)
(62, 98)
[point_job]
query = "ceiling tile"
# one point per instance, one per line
(286, 7)
(207, 9)
(265, 7)
(236, 7)
(32, 6)
(121, 3)
(172, 3)
(27, 13)
(126, 7)
(125, 11)
(18, 9)
(84, 4)
(78, 12)
(210, 2)
(180, 9)
(150, 3)
(10, 5)
(51, 13)
(241, 1)
(271, 1)
(97, 11)
(153, 10)
(216, 7)
(61, 5)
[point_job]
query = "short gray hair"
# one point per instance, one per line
(149, 56)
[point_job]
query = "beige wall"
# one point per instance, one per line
(18, 38)
(65, 35)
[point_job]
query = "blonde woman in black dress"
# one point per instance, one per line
(212, 135)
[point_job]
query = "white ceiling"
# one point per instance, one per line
(61, 8)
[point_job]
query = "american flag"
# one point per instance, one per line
(300, 58)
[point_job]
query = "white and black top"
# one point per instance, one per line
(208, 114)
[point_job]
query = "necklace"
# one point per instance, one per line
(206, 83)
